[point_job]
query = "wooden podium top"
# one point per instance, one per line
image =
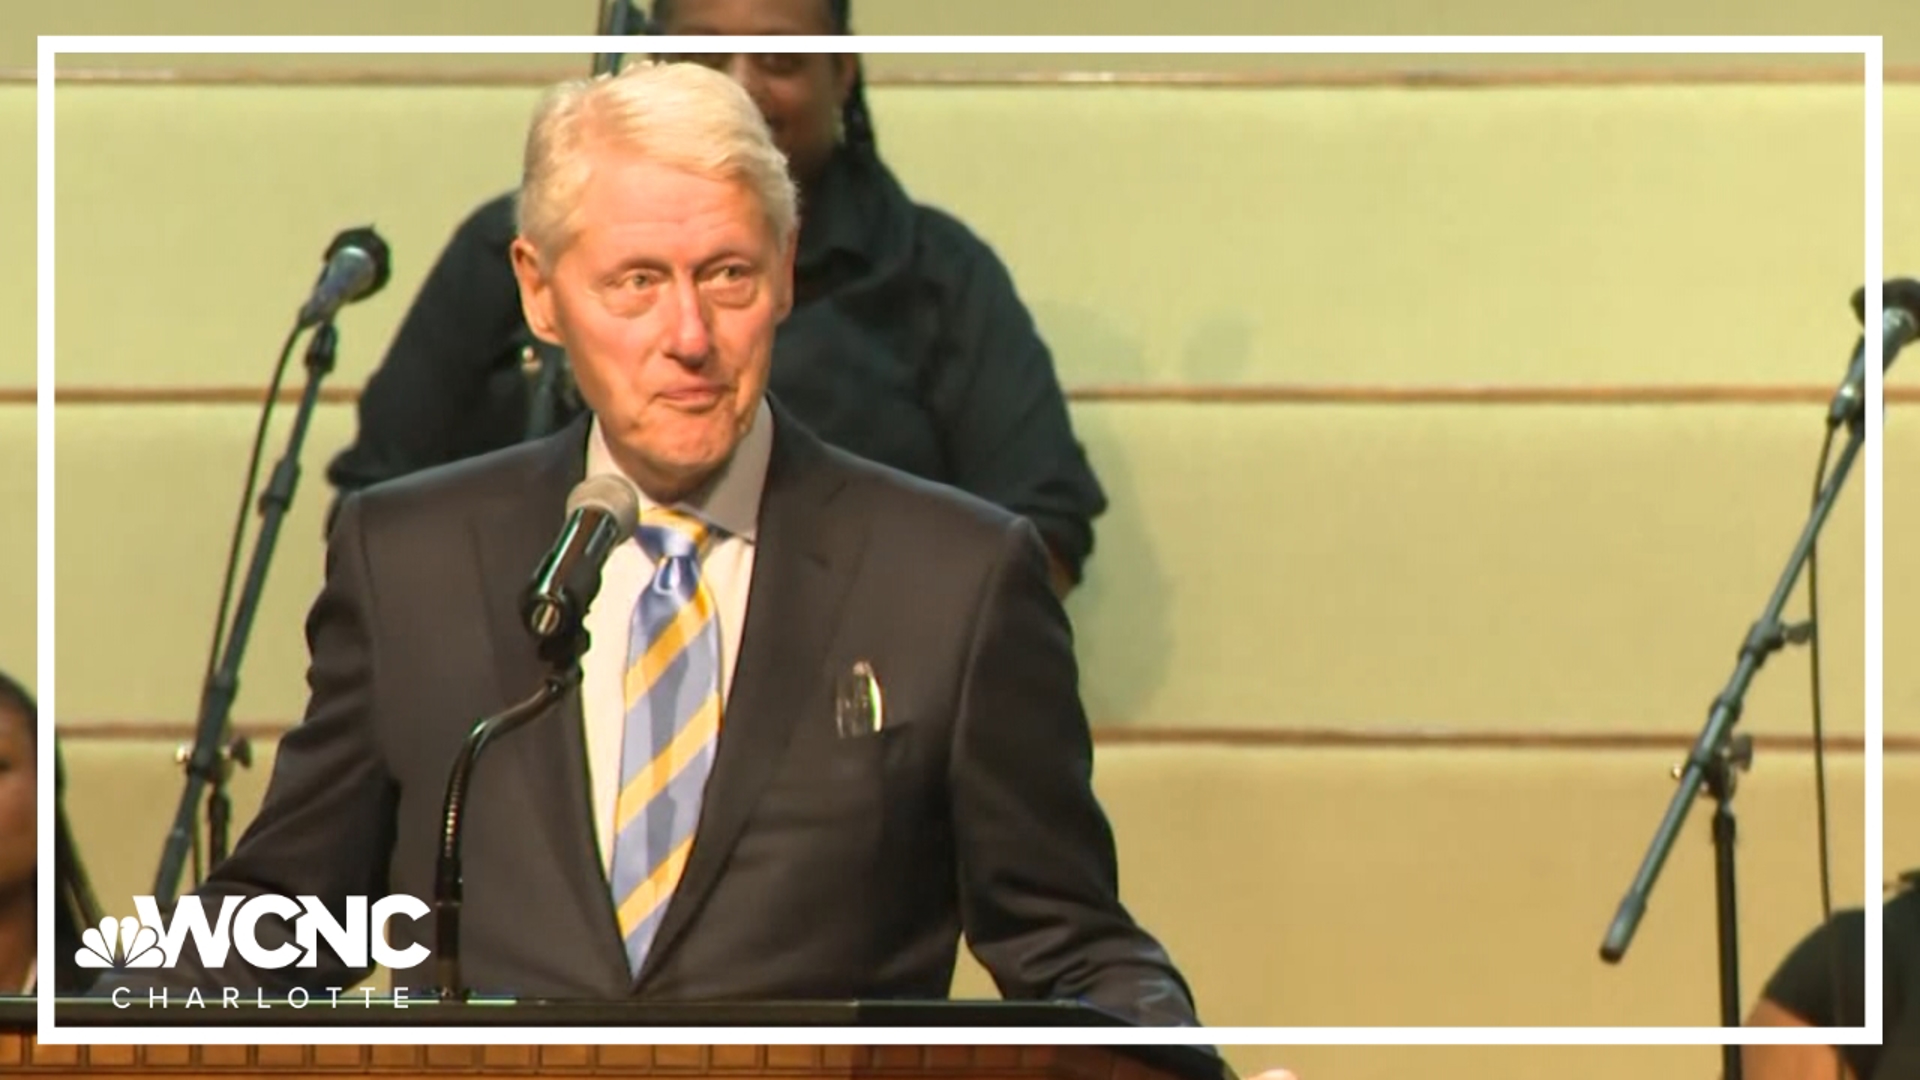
(22, 1055)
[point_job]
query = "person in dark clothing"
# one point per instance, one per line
(74, 906)
(1820, 983)
(908, 343)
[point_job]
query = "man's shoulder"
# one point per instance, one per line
(906, 506)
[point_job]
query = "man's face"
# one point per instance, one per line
(800, 94)
(666, 298)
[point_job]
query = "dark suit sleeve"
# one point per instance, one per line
(1038, 876)
(1002, 415)
(449, 386)
(325, 827)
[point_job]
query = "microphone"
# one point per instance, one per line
(602, 511)
(357, 266)
(1899, 325)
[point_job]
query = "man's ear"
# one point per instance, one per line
(536, 290)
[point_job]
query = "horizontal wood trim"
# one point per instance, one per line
(1358, 78)
(180, 395)
(1253, 394)
(23, 1055)
(1303, 394)
(1318, 738)
(1442, 739)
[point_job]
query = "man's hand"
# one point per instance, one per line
(1274, 1074)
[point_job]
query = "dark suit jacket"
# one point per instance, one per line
(822, 867)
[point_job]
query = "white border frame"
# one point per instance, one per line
(1870, 48)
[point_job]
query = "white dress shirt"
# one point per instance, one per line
(731, 502)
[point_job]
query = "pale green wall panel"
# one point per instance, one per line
(1164, 236)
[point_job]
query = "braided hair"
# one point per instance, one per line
(855, 118)
(854, 115)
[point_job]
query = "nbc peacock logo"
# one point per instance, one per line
(356, 934)
(120, 943)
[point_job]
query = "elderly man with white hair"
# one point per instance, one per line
(827, 723)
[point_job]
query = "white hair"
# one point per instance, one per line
(682, 115)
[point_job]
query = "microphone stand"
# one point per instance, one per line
(548, 407)
(563, 657)
(617, 19)
(1718, 756)
(209, 762)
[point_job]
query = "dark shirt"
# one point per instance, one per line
(1823, 981)
(907, 345)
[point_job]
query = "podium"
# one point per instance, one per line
(21, 1055)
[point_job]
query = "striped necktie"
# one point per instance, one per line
(672, 726)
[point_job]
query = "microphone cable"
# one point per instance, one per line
(239, 534)
(1822, 841)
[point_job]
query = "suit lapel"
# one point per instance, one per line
(805, 558)
(510, 539)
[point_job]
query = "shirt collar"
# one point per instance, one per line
(732, 499)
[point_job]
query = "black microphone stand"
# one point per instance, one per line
(209, 763)
(550, 393)
(617, 19)
(1716, 759)
(562, 654)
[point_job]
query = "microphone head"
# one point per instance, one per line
(1901, 293)
(611, 494)
(368, 243)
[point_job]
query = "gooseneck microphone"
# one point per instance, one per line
(1899, 326)
(602, 512)
(1719, 756)
(357, 266)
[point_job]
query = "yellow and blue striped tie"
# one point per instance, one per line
(672, 726)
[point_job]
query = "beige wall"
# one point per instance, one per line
(1349, 886)
(1899, 22)
(1587, 265)
(1448, 574)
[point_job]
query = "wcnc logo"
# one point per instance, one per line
(155, 942)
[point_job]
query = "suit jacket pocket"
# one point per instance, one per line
(831, 784)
